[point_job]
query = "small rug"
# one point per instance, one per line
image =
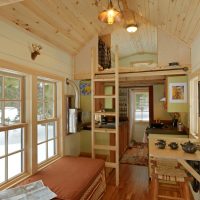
(136, 155)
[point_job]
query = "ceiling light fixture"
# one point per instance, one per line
(132, 28)
(111, 15)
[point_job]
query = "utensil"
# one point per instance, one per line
(173, 145)
(189, 147)
(161, 144)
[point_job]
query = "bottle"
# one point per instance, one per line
(180, 127)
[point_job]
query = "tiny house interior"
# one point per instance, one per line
(99, 99)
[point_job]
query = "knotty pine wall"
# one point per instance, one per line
(195, 55)
(15, 47)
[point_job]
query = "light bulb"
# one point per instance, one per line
(131, 28)
(110, 16)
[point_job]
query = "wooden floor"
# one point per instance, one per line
(134, 184)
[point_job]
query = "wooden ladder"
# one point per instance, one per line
(96, 78)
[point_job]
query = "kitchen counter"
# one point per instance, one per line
(110, 125)
(178, 154)
(165, 131)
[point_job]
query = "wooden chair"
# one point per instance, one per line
(167, 173)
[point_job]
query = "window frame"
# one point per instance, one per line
(45, 122)
(20, 100)
(19, 125)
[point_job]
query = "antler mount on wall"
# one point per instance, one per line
(36, 51)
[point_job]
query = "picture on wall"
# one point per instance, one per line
(85, 87)
(178, 92)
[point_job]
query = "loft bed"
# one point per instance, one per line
(73, 178)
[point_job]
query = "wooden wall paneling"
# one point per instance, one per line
(7, 2)
(86, 11)
(186, 22)
(69, 25)
(68, 17)
(191, 21)
(30, 22)
(55, 19)
(172, 50)
(153, 6)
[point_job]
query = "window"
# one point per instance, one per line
(12, 130)
(10, 100)
(47, 121)
(141, 106)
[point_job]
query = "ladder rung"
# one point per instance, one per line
(111, 165)
(106, 113)
(106, 71)
(105, 147)
(104, 96)
(104, 80)
(104, 130)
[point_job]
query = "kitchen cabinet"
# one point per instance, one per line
(123, 139)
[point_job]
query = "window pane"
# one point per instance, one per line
(51, 130)
(12, 88)
(41, 153)
(40, 90)
(1, 114)
(14, 164)
(146, 116)
(15, 140)
(1, 87)
(40, 111)
(49, 91)
(138, 115)
(2, 170)
(51, 148)
(49, 108)
(2, 143)
(41, 133)
(12, 112)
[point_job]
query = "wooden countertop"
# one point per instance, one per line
(168, 131)
(178, 154)
(168, 153)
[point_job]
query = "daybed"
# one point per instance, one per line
(73, 178)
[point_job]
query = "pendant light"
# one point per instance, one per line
(132, 28)
(111, 15)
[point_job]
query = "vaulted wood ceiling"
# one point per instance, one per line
(70, 24)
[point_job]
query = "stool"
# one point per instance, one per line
(170, 176)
